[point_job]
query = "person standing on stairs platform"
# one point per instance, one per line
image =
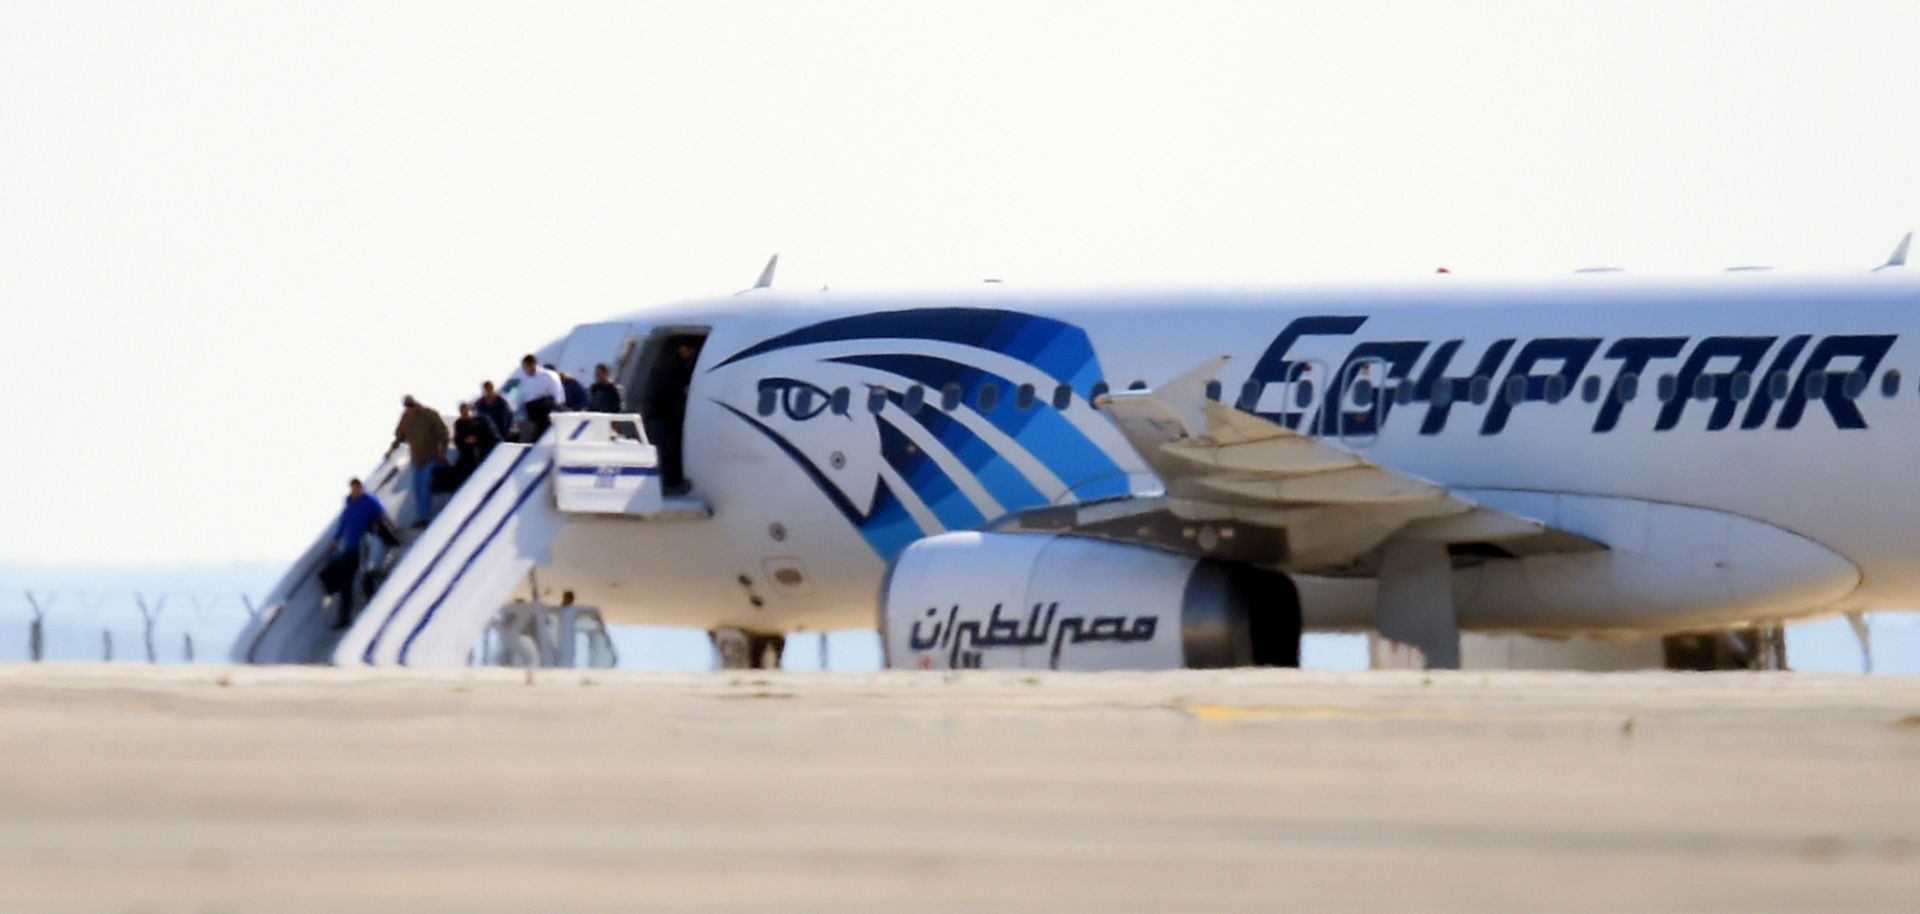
(604, 396)
(425, 435)
(362, 514)
(540, 394)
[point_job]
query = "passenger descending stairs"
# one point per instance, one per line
(466, 563)
(295, 624)
(457, 573)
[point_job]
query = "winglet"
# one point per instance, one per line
(766, 275)
(1899, 256)
(1185, 396)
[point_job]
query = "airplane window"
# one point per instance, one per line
(916, 398)
(1777, 385)
(1478, 389)
(1137, 385)
(842, 399)
(1100, 389)
(1443, 393)
(1668, 389)
(1303, 393)
(876, 399)
(769, 401)
(1363, 393)
(1816, 385)
(1213, 391)
(1740, 385)
(1250, 393)
(1403, 393)
(1703, 387)
(1856, 384)
(1023, 396)
(1890, 383)
(950, 397)
(1516, 390)
(988, 398)
(1627, 387)
(1556, 389)
(1590, 389)
(1062, 396)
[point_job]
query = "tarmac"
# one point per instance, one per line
(203, 789)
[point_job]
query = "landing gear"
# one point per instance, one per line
(1414, 602)
(767, 650)
(1761, 648)
(740, 650)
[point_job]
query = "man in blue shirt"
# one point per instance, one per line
(361, 514)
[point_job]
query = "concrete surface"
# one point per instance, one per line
(210, 790)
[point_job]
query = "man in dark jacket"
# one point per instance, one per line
(474, 435)
(666, 410)
(574, 393)
(604, 396)
(425, 435)
(495, 408)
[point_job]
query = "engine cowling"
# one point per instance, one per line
(1034, 601)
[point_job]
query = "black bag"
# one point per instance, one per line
(337, 574)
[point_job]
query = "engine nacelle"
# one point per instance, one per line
(1035, 601)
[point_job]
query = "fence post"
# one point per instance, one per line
(149, 614)
(37, 630)
(106, 645)
(187, 646)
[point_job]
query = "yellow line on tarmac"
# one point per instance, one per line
(1225, 713)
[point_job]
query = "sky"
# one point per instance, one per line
(232, 235)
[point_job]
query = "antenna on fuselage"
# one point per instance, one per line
(1899, 256)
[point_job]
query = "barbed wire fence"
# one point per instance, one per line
(147, 626)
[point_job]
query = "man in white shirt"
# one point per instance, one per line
(540, 393)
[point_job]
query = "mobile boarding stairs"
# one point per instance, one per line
(442, 587)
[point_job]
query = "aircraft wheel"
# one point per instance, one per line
(766, 651)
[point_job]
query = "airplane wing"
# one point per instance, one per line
(1242, 488)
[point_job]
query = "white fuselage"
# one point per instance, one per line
(812, 493)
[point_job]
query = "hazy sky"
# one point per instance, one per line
(233, 234)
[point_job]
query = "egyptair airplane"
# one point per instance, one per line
(1143, 480)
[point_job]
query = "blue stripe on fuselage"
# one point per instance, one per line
(1043, 432)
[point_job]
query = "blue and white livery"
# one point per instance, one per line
(1190, 478)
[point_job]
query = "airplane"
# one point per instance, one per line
(1146, 479)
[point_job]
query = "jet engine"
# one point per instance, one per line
(1037, 601)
